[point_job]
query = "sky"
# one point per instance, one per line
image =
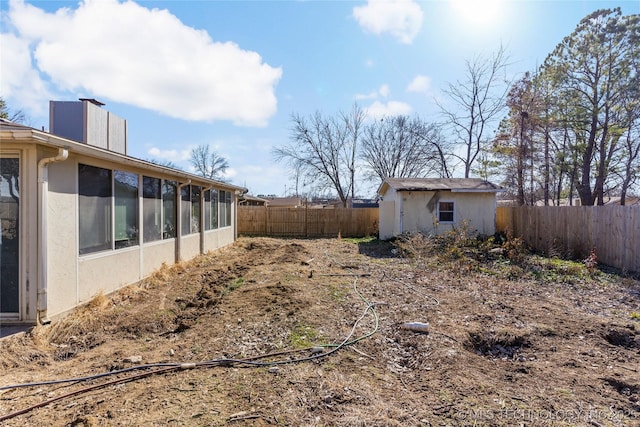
(230, 74)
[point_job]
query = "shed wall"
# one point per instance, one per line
(416, 211)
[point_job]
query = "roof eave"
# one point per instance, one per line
(477, 190)
(100, 153)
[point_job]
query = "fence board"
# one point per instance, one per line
(305, 222)
(614, 231)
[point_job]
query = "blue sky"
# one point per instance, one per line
(230, 73)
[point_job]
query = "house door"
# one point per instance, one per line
(9, 238)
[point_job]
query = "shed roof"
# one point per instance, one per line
(462, 185)
(249, 197)
(284, 201)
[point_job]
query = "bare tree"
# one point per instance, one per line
(477, 102)
(208, 163)
(515, 143)
(403, 147)
(165, 163)
(324, 150)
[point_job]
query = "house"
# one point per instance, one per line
(434, 205)
(79, 216)
(249, 200)
(354, 203)
(285, 202)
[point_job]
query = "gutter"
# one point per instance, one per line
(43, 190)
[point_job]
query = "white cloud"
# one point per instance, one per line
(383, 91)
(173, 155)
(401, 18)
(144, 57)
(420, 84)
(230, 173)
(19, 79)
(370, 95)
(263, 178)
(392, 108)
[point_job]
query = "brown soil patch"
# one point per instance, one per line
(263, 320)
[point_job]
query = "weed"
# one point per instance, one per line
(635, 315)
(444, 396)
(547, 331)
(302, 336)
(235, 284)
(98, 301)
(591, 262)
(337, 293)
(356, 240)
(515, 249)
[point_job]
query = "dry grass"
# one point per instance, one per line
(506, 334)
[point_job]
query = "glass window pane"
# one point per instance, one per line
(195, 208)
(126, 209)
(214, 209)
(445, 211)
(185, 210)
(207, 210)
(223, 209)
(9, 235)
(94, 208)
(169, 209)
(227, 202)
(151, 209)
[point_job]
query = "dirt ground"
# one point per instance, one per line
(311, 333)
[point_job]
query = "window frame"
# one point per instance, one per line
(211, 213)
(169, 223)
(132, 231)
(101, 202)
(452, 211)
(152, 209)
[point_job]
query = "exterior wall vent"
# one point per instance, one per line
(85, 121)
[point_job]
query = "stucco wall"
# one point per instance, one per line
(62, 241)
(74, 279)
(215, 239)
(107, 272)
(190, 246)
(155, 254)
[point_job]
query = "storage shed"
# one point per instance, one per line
(436, 205)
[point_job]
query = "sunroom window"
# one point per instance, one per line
(211, 209)
(94, 209)
(126, 209)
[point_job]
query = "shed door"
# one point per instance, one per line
(9, 238)
(387, 219)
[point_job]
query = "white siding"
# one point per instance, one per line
(416, 211)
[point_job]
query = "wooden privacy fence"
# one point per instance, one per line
(306, 222)
(614, 231)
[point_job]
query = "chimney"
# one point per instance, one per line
(85, 121)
